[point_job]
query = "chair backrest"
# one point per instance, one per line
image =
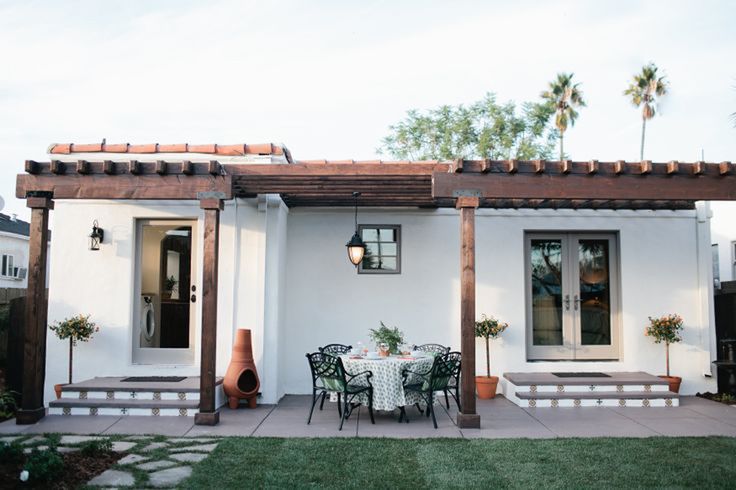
(444, 367)
(437, 348)
(328, 370)
(336, 349)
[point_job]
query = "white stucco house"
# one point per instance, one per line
(13, 251)
(576, 284)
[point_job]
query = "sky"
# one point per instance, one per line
(327, 78)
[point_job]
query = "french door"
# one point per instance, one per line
(572, 296)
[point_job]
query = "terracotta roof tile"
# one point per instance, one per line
(214, 149)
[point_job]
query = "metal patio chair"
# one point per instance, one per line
(427, 382)
(336, 349)
(454, 384)
(329, 376)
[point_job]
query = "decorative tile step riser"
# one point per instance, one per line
(129, 395)
(592, 388)
(570, 403)
(117, 412)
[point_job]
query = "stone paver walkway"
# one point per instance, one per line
(152, 460)
(499, 419)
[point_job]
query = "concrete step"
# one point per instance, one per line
(93, 406)
(637, 389)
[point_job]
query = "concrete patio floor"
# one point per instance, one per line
(499, 419)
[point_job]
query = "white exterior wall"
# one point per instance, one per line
(102, 284)
(298, 293)
(327, 301)
(16, 245)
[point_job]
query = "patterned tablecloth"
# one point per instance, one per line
(388, 391)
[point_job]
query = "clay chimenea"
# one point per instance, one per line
(241, 379)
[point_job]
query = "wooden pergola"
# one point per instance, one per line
(462, 184)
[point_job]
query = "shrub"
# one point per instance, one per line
(96, 446)
(11, 452)
(44, 465)
(7, 404)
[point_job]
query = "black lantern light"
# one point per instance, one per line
(96, 237)
(356, 247)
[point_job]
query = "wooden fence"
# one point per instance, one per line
(6, 296)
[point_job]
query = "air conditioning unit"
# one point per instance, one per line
(20, 273)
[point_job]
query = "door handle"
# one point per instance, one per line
(576, 302)
(194, 298)
(567, 302)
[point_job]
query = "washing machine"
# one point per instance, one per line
(148, 320)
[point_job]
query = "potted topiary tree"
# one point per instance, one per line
(488, 328)
(76, 329)
(666, 329)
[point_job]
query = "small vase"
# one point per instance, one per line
(486, 386)
(674, 382)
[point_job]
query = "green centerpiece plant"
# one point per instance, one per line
(391, 336)
(666, 329)
(77, 329)
(488, 328)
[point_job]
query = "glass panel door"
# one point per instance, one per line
(165, 314)
(571, 300)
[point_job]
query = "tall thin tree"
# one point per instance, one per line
(645, 90)
(565, 96)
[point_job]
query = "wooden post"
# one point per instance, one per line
(208, 413)
(467, 418)
(36, 311)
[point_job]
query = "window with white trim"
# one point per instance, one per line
(7, 268)
(382, 249)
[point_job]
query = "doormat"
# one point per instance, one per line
(154, 379)
(582, 375)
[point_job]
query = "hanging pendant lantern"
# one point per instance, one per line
(356, 247)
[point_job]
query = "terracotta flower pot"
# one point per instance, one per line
(674, 382)
(57, 390)
(486, 386)
(241, 379)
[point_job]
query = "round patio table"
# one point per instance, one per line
(388, 389)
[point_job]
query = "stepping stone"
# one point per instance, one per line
(155, 465)
(207, 448)
(189, 457)
(79, 439)
(153, 446)
(67, 449)
(132, 458)
(122, 446)
(138, 438)
(29, 450)
(170, 477)
(190, 440)
(113, 478)
(8, 440)
(33, 440)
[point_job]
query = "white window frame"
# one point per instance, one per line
(7, 264)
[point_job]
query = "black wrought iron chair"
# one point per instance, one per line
(453, 385)
(427, 382)
(336, 349)
(329, 376)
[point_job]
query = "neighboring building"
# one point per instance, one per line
(14, 234)
(576, 285)
(723, 238)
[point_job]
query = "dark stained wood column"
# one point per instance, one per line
(36, 312)
(467, 418)
(208, 413)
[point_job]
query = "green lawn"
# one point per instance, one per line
(561, 463)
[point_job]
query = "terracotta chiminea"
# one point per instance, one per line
(241, 379)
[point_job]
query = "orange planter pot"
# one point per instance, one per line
(57, 390)
(674, 382)
(241, 379)
(486, 386)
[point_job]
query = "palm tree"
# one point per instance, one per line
(645, 90)
(565, 96)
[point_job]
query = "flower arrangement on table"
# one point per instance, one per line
(393, 337)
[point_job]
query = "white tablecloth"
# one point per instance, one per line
(388, 390)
